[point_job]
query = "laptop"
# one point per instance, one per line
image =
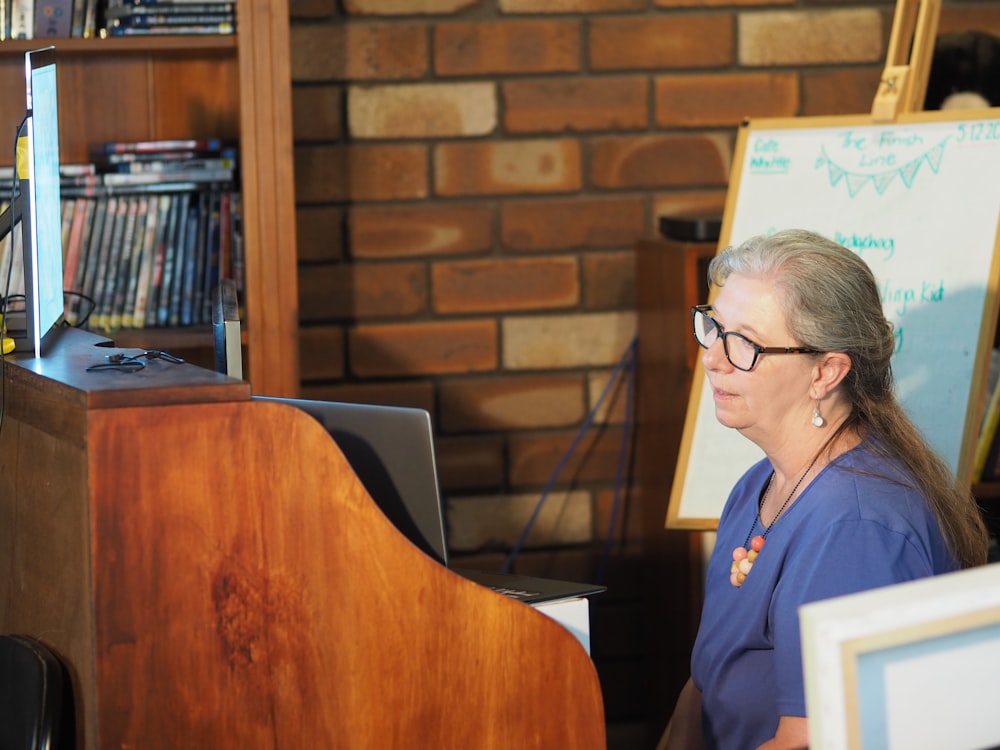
(391, 449)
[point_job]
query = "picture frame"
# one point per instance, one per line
(913, 665)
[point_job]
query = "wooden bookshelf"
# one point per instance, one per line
(235, 87)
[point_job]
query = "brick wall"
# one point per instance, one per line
(471, 179)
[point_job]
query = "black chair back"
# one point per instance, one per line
(32, 684)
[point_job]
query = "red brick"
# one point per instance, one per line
(609, 280)
(969, 16)
(575, 104)
(362, 291)
(569, 6)
(477, 286)
(713, 3)
(613, 508)
(534, 458)
(660, 161)
(571, 223)
(696, 40)
(317, 113)
(470, 462)
(319, 233)
(312, 9)
(370, 172)
(358, 52)
(510, 167)
(843, 91)
(406, 7)
(321, 353)
(420, 230)
(392, 350)
(724, 99)
(511, 403)
(415, 394)
(503, 47)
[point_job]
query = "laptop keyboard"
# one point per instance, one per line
(515, 593)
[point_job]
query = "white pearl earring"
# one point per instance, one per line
(817, 419)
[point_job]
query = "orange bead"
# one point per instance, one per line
(757, 543)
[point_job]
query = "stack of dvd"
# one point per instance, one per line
(138, 17)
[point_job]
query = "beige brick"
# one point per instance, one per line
(407, 7)
(317, 113)
(843, 91)
(576, 104)
(724, 99)
(511, 403)
(420, 230)
(660, 161)
(578, 223)
(609, 280)
(362, 291)
(400, 349)
(369, 172)
(422, 110)
(358, 52)
(850, 35)
(503, 285)
(319, 233)
(694, 40)
(321, 353)
(569, 6)
(560, 341)
(534, 166)
(498, 521)
(415, 394)
(470, 462)
(534, 457)
(613, 409)
(504, 47)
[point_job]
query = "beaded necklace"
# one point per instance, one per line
(744, 557)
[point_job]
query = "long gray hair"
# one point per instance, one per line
(831, 303)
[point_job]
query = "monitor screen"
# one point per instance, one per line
(41, 223)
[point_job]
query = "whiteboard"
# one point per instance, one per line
(919, 200)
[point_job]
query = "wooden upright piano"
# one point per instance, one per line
(214, 575)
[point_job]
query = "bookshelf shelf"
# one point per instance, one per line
(234, 87)
(160, 45)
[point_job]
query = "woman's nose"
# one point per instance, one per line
(714, 356)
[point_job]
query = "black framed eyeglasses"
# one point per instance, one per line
(741, 352)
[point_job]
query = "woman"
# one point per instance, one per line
(848, 497)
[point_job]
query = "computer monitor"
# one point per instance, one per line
(226, 328)
(36, 206)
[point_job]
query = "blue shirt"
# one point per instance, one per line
(848, 531)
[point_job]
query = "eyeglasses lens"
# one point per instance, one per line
(740, 352)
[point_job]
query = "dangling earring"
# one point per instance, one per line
(817, 419)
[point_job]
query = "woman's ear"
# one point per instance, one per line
(829, 372)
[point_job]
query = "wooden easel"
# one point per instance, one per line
(903, 85)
